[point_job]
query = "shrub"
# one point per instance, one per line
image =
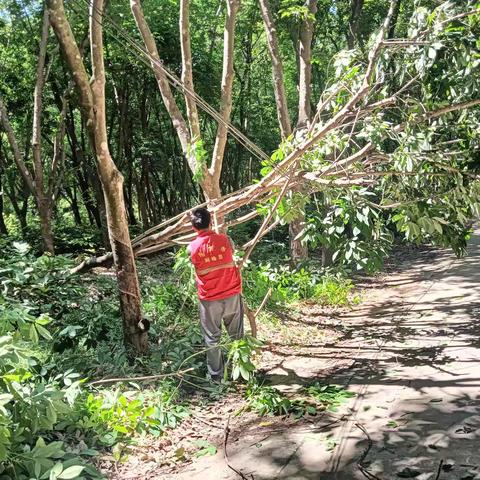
(116, 415)
(291, 285)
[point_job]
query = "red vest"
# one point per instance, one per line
(213, 251)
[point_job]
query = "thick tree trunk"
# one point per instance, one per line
(112, 182)
(45, 215)
(92, 99)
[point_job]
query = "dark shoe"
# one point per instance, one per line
(216, 378)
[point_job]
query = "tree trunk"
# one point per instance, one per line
(142, 200)
(215, 169)
(92, 99)
(78, 161)
(72, 197)
(210, 181)
(112, 182)
(165, 91)
(3, 227)
(187, 73)
(45, 215)
(299, 251)
(354, 23)
(22, 215)
(393, 23)
(44, 203)
(305, 67)
(277, 70)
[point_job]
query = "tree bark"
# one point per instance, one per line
(277, 70)
(393, 23)
(72, 197)
(44, 203)
(78, 162)
(225, 99)
(299, 251)
(354, 23)
(17, 156)
(92, 101)
(188, 134)
(305, 66)
(187, 70)
(3, 227)
(165, 91)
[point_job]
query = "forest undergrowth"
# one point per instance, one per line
(71, 399)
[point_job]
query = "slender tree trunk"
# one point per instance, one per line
(102, 209)
(44, 202)
(305, 68)
(225, 99)
(92, 100)
(299, 251)
(22, 215)
(187, 72)
(71, 194)
(277, 70)
(17, 156)
(393, 23)
(78, 162)
(188, 134)
(165, 91)
(354, 23)
(3, 227)
(142, 200)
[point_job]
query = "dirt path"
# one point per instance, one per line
(411, 352)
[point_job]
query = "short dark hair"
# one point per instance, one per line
(200, 218)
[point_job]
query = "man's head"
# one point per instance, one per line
(200, 219)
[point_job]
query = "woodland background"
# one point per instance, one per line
(341, 129)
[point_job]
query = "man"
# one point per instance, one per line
(219, 287)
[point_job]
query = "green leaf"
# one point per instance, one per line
(55, 471)
(5, 398)
(43, 332)
(71, 472)
(244, 372)
(33, 334)
(208, 448)
(37, 469)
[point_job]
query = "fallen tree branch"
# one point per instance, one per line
(439, 470)
(225, 453)
(177, 231)
(367, 474)
(105, 381)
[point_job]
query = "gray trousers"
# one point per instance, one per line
(212, 312)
